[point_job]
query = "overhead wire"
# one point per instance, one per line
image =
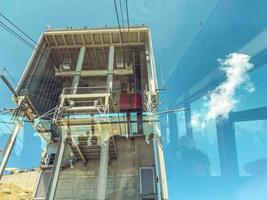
(122, 18)
(119, 25)
(117, 14)
(23, 32)
(1, 14)
(122, 32)
(18, 36)
(20, 30)
(128, 20)
(3, 25)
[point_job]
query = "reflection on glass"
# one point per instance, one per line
(205, 140)
(192, 161)
(181, 123)
(251, 140)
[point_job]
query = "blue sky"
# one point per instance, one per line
(188, 38)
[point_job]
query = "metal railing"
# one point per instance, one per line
(85, 90)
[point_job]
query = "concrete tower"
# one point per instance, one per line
(92, 96)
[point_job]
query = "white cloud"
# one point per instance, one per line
(221, 101)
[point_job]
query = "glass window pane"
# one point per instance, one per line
(251, 141)
(258, 90)
(205, 140)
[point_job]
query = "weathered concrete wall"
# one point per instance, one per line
(80, 182)
(25, 180)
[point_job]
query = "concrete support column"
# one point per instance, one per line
(8, 149)
(78, 69)
(110, 71)
(110, 67)
(77, 76)
(162, 188)
(52, 187)
(103, 171)
(104, 156)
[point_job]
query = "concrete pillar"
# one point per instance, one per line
(162, 188)
(104, 156)
(78, 69)
(52, 187)
(103, 171)
(110, 71)
(110, 67)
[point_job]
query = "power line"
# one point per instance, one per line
(19, 37)
(122, 18)
(23, 32)
(119, 25)
(26, 42)
(3, 25)
(14, 33)
(117, 15)
(128, 21)
(18, 29)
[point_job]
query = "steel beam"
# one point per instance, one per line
(71, 46)
(94, 73)
(78, 96)
(249, 115)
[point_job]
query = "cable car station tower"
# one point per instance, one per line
(92, 96)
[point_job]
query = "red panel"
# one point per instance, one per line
(130, 101)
